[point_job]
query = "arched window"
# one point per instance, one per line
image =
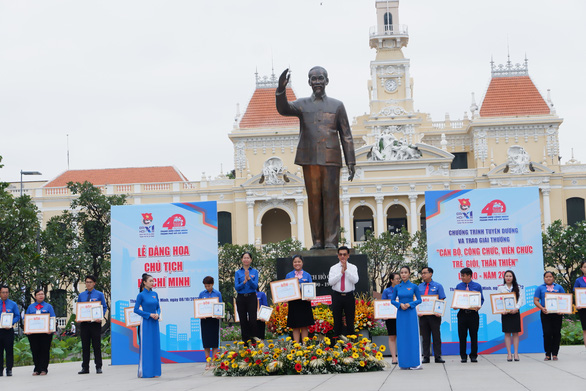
(422, 219)
(224, 228)
(388, 21)
(363, 222)
(575, 210)
(396, 218)
(276, 226)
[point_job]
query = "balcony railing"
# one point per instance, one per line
(389, 29)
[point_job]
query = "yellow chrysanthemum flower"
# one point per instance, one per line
(361, 363)
(261, 345)
(234, 365)
(290, 356)
(354, 355)
(299, 353)
(336, 354)
(288, 339)
(296, 345)
(382, 348)
(305, 339)
(319, 352)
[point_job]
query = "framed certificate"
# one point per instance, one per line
(37, 323)
(6, 320)
(53, 324)
(89, 311)
(131, 319)
(383, 309)
(204, 308)
(580, 297)
(439, 307)
(285, 290)
(264, 313)
(308, 291)
(503, 302)
(219, 310)
(465, 299)
(558, 303)
(426, 306)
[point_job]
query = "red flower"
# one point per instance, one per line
(258, 362)
(298, 367)
(246, 359)
(313, 357)
(335, 361)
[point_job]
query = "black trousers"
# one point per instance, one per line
(552, 333)
(41, 350)
(468, 323)
(429, 326)
(247, 307)
(91, 333)
(6, 345)
(261, 329)
(343, 304)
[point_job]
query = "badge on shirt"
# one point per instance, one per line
(38, 312)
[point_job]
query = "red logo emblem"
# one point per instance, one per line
(494, 207)
(464, 204)
(147, 218)
(175, 221)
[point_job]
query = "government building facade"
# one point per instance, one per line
(509, 139)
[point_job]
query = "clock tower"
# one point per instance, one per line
(391, 85)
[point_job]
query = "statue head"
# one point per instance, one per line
(318, 80)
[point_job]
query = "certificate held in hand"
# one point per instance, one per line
(285, 290)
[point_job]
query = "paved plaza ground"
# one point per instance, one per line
(492, 372)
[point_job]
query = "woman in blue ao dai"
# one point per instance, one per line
(149, 359)
(408, 347)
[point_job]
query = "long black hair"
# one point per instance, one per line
(391, 278)
(515, 285)
(145, 276)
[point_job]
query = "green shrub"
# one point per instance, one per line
(572, 332)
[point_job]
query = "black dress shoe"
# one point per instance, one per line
(439, 360)
(9, 372)
(464, 360)
(425, 361)
(473, 360)
(98, 370)
(83, 372)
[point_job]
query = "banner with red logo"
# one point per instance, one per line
(178, 245)
(489, 231)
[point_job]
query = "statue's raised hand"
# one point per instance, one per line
(283, 80)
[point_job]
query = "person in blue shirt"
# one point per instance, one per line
(210, 327)
(149, 354)
(406, 297)
(7, 334)
(91, 332)
(246, 283)
(261, 298)
(40, 343)
(551, 324)
(429, 325)
(391, 324)
(300, 314)
(581, 283)
(468, 320)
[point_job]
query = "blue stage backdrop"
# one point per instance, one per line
(489, 231)
(178, 245)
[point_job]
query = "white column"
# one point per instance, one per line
(380, 218)
(546, 207)
(347, 225)
(413, 213)
(250, 205)
(300, 219)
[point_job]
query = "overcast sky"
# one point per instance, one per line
(150, 83)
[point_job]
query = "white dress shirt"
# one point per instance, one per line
(350, 277)
(505, 289)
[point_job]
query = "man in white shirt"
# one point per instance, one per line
(342, 278)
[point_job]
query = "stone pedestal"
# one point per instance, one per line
(318, 263)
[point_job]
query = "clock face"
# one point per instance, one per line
(390, 85)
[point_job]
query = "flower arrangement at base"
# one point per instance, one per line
(287, 357)
(364, 317)
(278, 322)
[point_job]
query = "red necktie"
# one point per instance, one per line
(467, 287)
(3, 306)
(39, 306)
(426, 289)
(343, 283)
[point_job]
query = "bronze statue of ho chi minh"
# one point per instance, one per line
(323, 125)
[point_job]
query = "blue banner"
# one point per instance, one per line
(178, 245)
(489, 231)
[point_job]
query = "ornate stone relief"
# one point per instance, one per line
(240, 156)
(518, 160)
(387, 148)
(391, 111)
(274, 172)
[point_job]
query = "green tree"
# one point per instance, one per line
(77, 242)
(564, 248)
(20, 263)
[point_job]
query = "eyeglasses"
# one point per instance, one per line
(317, 78)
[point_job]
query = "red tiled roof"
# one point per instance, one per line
(262, 111)
(119, 176)
(512, 96)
